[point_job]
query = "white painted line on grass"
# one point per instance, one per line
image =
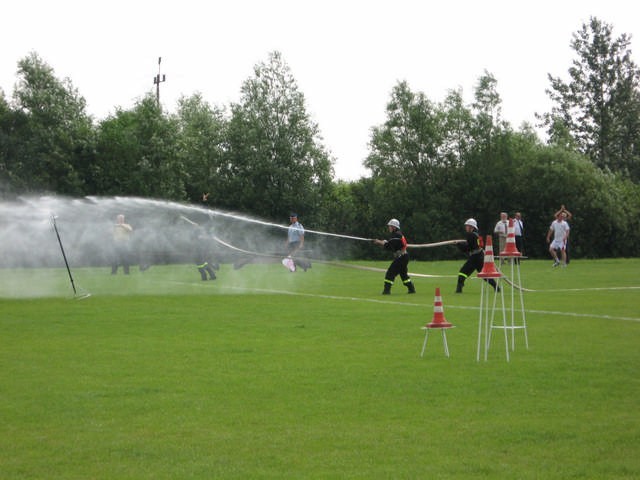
(391, 302)
(408, 304)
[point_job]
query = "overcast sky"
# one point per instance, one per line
(346, 56)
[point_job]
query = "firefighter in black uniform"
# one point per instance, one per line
(472, 246)
(202, 253)
(399, 266)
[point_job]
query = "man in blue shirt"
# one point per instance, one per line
(295, 242)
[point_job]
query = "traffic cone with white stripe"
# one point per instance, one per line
(438, 320)
(510, 249)
(489, 268)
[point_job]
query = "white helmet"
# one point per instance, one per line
(472, 222)
(394, 223)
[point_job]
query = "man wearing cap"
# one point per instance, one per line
(295, 241)
(399, 266)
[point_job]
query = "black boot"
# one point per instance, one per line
(460, 285)
(387, 289)
(410, 287)
(212, 274)
(203, 273)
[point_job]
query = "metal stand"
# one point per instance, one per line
(444, 339)
(515, 267)
(487, 314)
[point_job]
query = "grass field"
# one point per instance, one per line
(267, 374)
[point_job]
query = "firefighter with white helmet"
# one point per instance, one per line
(472, 223)
(397, 244)
(472, 246)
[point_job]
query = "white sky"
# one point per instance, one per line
(346, 56)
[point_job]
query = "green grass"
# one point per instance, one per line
(267, 374)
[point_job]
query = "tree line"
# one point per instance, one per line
(432, 164)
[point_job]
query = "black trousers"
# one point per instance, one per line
(304, 264)
(475, 262)
(399, 266)
(520, 243)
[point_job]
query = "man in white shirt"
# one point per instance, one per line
(518, 230)
(501, 230)
(560, 230)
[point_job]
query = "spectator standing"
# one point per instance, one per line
(501, 230)
(518, 230)
(121, 245)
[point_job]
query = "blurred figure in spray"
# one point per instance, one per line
(121, 245)
(203, 254)
(295, 242)
(397, 244)
(472, 246)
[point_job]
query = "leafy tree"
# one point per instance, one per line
(554, 176)
(599, 108)
(6, 146)
(458, 125)
(351, 208)
(53, 136)
(202, 144)
(275, 159)
(423, 147)
(488, 106)
(412, 142)
(407, 157)
(137, 154)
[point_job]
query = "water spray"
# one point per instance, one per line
(276, 225)
(324, 262)
(157, 235)
(189, 221)
(317, 232)
(335, 264)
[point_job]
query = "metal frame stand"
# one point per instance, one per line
(515, 267)
(487, 315)
(444, 339)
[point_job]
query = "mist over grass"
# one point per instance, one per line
(164, 232)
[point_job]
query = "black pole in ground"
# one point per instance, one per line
(64, 256)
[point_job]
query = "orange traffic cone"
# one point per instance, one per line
(438, 313)
(510, 249)
(489, 268)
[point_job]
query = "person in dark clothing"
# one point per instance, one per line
(473, 247)
(397, 244)
(203, 256)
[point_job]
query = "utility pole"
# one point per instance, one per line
(157, 80)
